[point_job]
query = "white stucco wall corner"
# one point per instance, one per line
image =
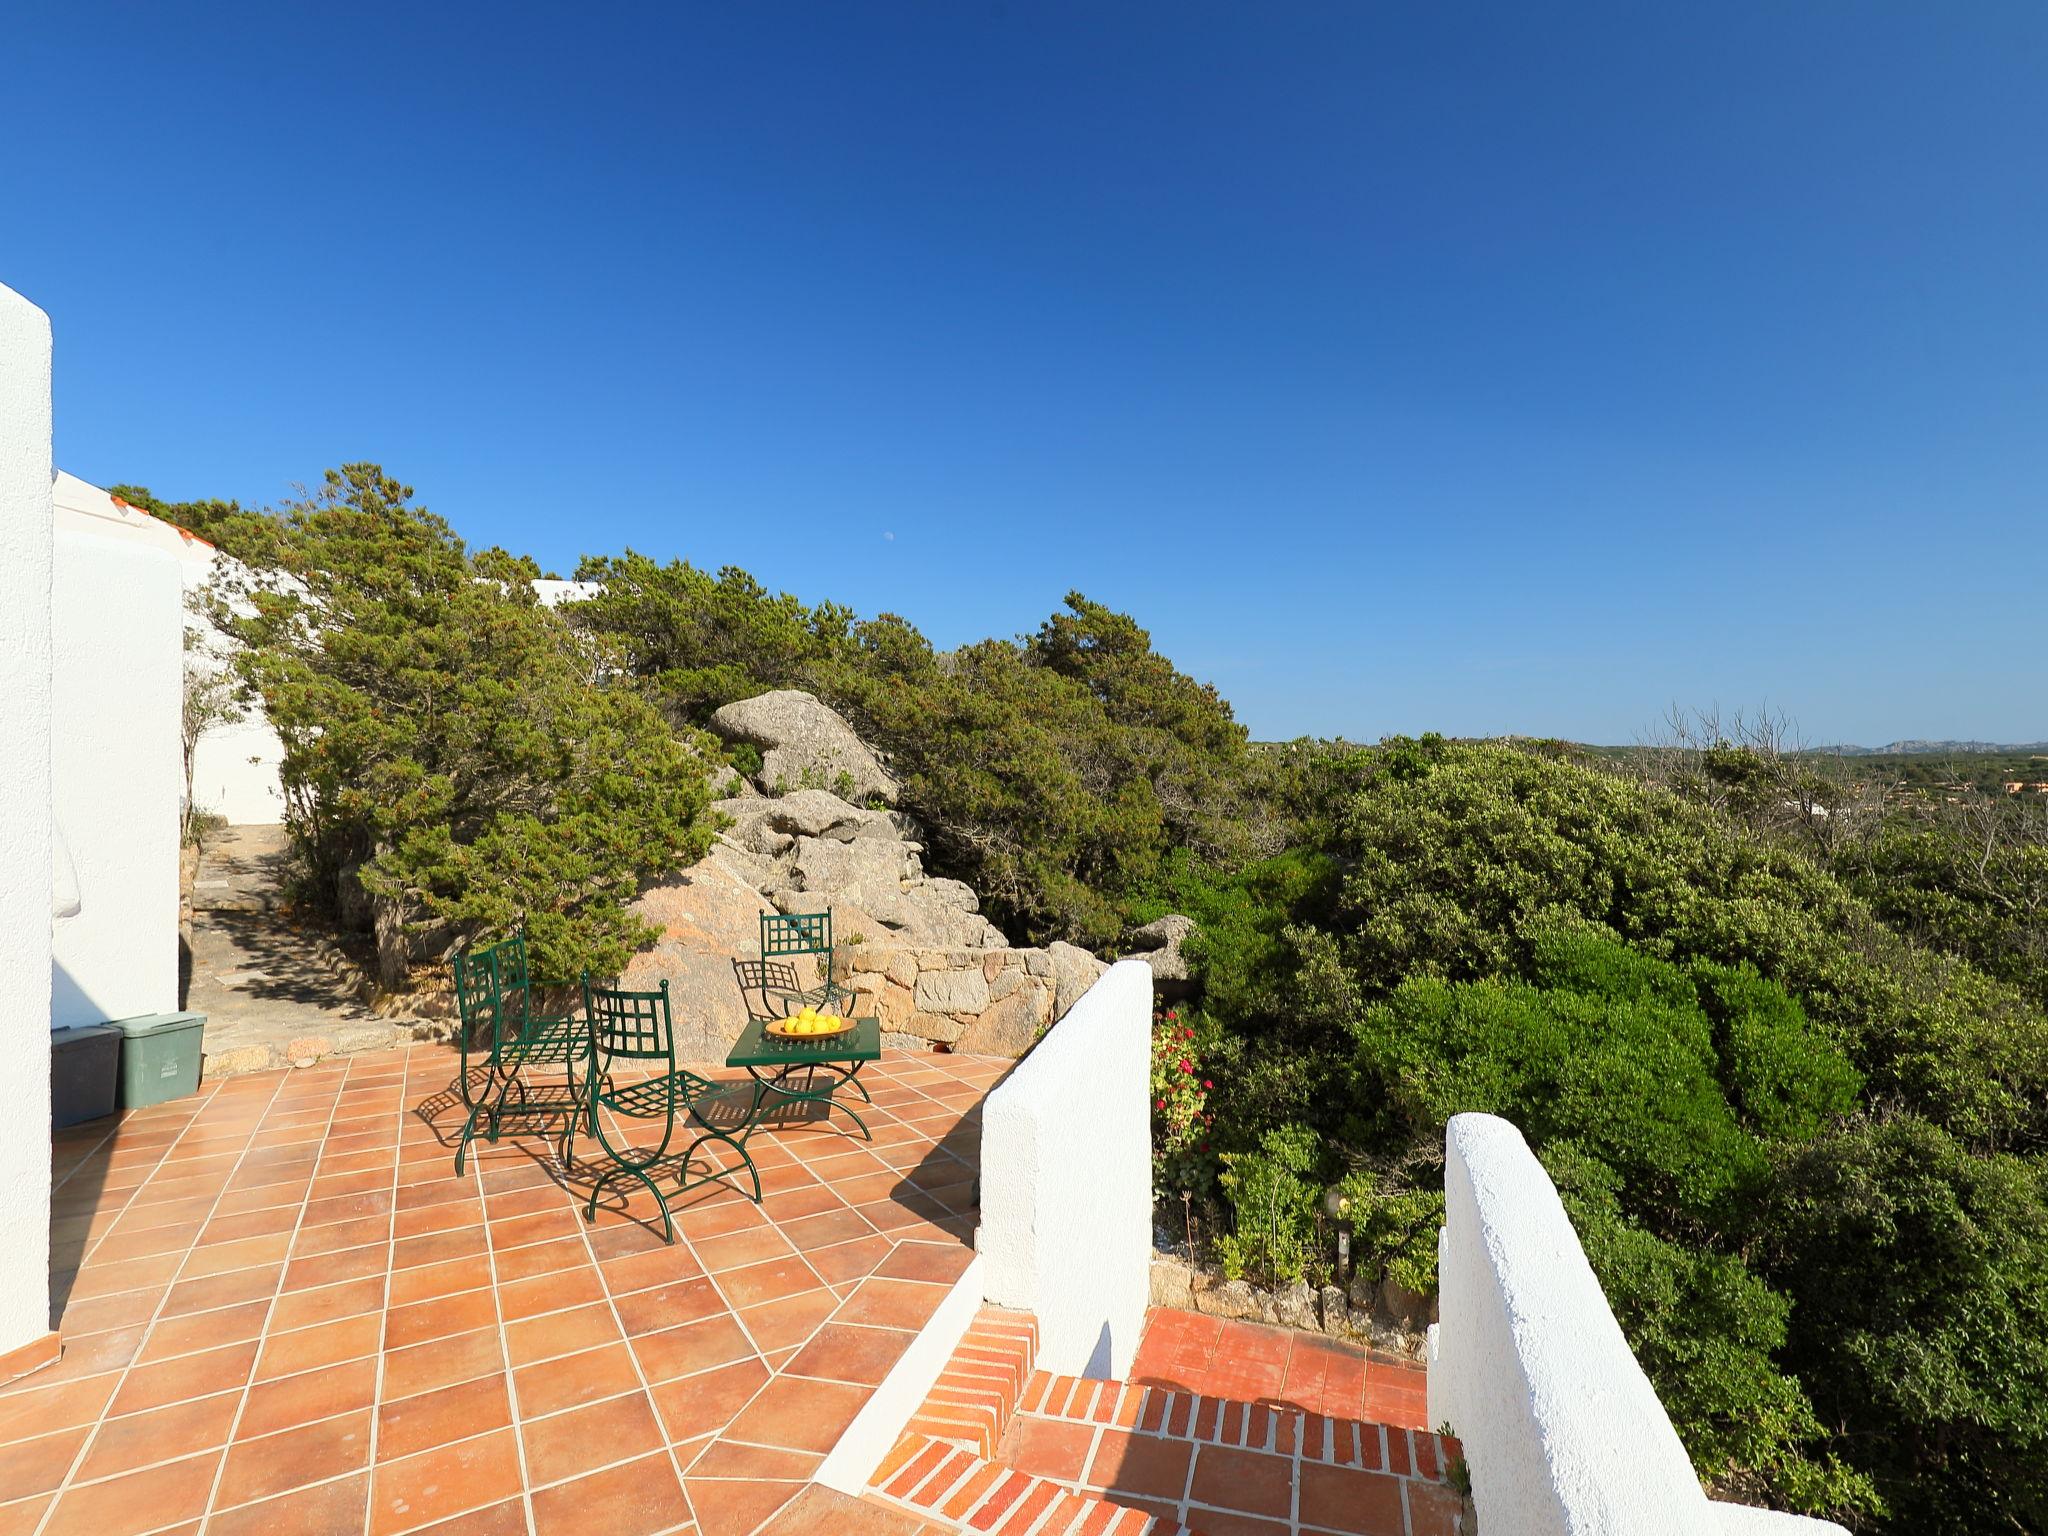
(26, 844)
(118, 620)
(1066, 1180)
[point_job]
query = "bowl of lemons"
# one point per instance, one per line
(810, 1025)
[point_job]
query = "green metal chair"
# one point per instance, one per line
(786, 935)
(769, 989)
(502, 1025)
(635, 1027)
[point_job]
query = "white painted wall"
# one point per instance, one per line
(1562, 1431)
(117, 776)
(234, 770)
(1066, 1180)
(26, 869)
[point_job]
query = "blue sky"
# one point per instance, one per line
(1475, 368)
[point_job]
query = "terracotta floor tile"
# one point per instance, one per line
(841, 1352)
(892, 1304)
(1048, 1448)
(850, 1261)
(160, 1434)
(736, 1508)
(216, 1291)
(798, 1414)
(22, 1517)
(554, 1385)
(640, 1498)
(940, 1263)
(1252, 1482)
(749, 1245)
(562, 1333)
(655, 1266)
(440, 1318)
(779, 1325)
(664, 1306)
(698, 1346)
(1139, 1464)
(39, 1465)
(565, 1288)
(507, 1519)
(431, 1280)
(407, 1426)
(288, 1401)
(188, 1376)
(339, 1506)
(541, 1259)
(581, 1440)
(442, 1363)
(449, 1480)
(706, 1402)
(351, 1298)
(139, 1501)
(312, 1453)
(320, 1346)
(771, 1281)
(1341, 1499)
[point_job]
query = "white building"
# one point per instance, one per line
(234, 770)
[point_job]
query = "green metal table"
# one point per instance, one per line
(806, 1071)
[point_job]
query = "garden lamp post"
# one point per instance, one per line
(1338, 1205)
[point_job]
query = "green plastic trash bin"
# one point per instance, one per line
(160, 1054)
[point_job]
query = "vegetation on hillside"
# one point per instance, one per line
(1054, 773)
(457, 759)
(1779, 1034)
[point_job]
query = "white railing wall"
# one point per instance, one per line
(1066, 1180)
(1562, 1431)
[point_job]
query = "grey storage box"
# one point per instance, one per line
(84, 1066)
(160, 1056)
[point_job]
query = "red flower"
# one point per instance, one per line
(1160, 1105)
(1187, 1034)
(1207, 1084)
(1185, 1066)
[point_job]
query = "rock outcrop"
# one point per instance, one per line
(1158, 944)
(805, 744)
(913, 948)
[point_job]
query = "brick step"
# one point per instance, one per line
(940, 1480)
(1179, 1415)
(971, 1403)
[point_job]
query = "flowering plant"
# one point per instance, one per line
(1182, 1161)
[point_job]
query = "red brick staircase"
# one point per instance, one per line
(1002, 1448)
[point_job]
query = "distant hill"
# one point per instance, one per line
(1927, 748)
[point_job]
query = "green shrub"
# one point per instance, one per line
(1274, 1198)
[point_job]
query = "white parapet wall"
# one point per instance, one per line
(1562, 1431)
(118, 622)
(26, 843)
(1066, 1180)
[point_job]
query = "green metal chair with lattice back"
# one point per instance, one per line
(501, 1023)
(769, 989)
(787, 935)
(626, 1030)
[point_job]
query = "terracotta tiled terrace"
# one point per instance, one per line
(283, 1312)
(1222, 1429)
